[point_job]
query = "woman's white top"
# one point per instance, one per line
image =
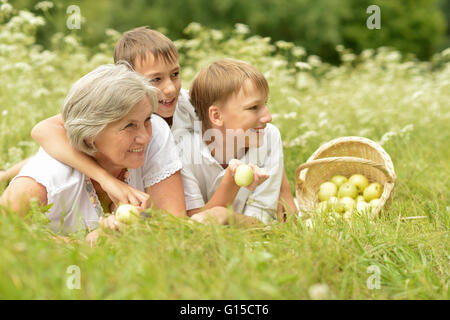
(202, 173)
(75, 203)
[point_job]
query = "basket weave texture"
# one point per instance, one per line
(344, 156)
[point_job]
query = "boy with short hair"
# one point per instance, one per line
(230, 97)
(155, 56)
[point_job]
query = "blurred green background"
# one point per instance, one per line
(420, 27)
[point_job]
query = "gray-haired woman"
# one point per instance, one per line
(107, 115)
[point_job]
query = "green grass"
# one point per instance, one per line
(404, 105)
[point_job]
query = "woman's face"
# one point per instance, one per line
(122, 143)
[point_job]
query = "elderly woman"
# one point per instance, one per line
(107, 115)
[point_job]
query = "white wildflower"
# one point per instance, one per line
(22, 66)
(241, 28)
(4, 113)
(303, 65)
(298, 52)
(408, 128)
(387, 136)
(293, 100)
(319, 291)
(446, 52)
(348, 57)
(193, 27)
(40, 92)
(6, 8)
(322, 114)
(44, 5)
(216, 34)
(323, 123)
(340, 48)
(314, 60)
(71, 41)
(284, 44)
(275, 116)
(290, 115)
(416, 95)
(278, 63)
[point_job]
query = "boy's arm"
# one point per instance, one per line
(51, 135)
(224, 195)
(224, 216)
(228, 189)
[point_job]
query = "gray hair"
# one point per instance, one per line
(102, 96)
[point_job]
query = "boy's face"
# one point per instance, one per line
(246, 110)
(164, 76)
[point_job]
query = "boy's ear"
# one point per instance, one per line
(215, 115)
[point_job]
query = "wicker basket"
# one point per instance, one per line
(344, 156)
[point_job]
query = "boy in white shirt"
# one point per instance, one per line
(229, 97)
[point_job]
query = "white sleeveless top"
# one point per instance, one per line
(74, 201)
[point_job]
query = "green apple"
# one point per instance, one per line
(373, 191)
(348, 203)
(359, 181)
(127, 213)
(348, 190)
(363, 207)
(327, 190)
(332, 202)
(339, 180)
(244, 175)
(323, 206)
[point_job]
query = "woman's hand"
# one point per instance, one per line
(92, 237)
(109, 222)
(119, 191)
(259, 174)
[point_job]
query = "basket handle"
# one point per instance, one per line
(313, 163)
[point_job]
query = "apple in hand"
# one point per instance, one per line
(348, 190)
(339, 180)
(243, 175)
(127, 213)
(373, 191)
(327, 190)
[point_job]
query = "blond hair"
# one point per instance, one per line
(214, 85)
(103, 96)
(140, 42)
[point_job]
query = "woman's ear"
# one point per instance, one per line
(89, 142)
(215, 115)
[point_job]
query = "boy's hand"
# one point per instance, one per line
(119, 191)
(259, 174)
(212, 216)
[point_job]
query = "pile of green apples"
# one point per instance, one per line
(346, 196)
